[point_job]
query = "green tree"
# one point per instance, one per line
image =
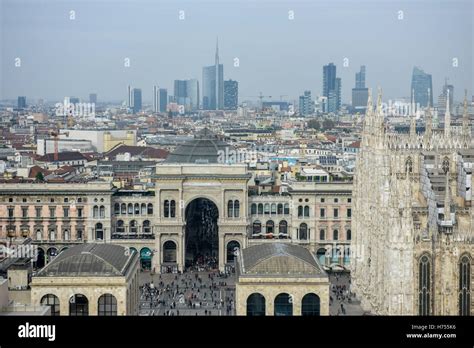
(314, 124)
(39, 176)
(328, 124)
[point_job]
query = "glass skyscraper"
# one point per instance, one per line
(331, 87)
(137, 100)
(360, 93)
(231, 95)
(163, 100)
(421, 85)
(213, 85)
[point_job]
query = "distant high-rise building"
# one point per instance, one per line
(231, 95)
(163, 100)
(137, 100)
(129, 96)
(331, 87)
(192, 93)
(420, 85)
(447, 90)
(306, 106)
(360, 94)
(74, 100)
(156, 99)
(360, 78)
(21, 102)
(213, 85)
(93, 98)
(180, 92)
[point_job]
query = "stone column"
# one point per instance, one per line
(221, 252)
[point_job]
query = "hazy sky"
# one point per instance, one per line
(278, 56)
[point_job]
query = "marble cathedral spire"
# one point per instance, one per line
(466, 129)
(413, 116)
(447, 118)
(428, 119)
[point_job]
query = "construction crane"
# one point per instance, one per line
(55, 135)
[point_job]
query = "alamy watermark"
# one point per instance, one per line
(75, 109)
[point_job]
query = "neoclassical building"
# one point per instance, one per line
(413, 218)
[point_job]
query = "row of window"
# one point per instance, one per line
(133, 227)
(283, 305)
(52, 212)
(303, 211)
(303, 230)
(52, 200)
(133, 209)
(425, 285)
(79, 305)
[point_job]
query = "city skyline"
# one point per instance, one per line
(265, 57)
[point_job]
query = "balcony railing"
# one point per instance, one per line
(133, 236)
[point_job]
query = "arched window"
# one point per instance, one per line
(232, 249)
(348, 234)
(130, 209)
(424, 288)
(273, 208)
(300, 211)
(99, 231)
(52, 235)
(283, 305)
(465, 286)
(283, 227)
(306, 211)
(79, 234)
(95, 212)
(303, 232)
(335, 235)
(266, 208)
(322, 235)
(120, 227)
(236, 208)
(169, 251)
(102, 212)
(146, 226)
(166, 207)
(253, 209)
(39, 234)
(66, 234)
(149, 209)
(230, 208)
(260, 208)
(78, 305)
(310, 305)
(286, 209)
(173, 209)
(280, 208)
(123, 208)
(270, 227)
(143, 209)
(133, 227)
(137, 209)
(53, 302)
(116, 208)
(321, 255)
(107, 304)
(255, 305)
(257, 227)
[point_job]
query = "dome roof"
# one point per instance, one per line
(203, 149)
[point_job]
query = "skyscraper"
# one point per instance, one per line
(213, 85)
(21, 102)
(360, 78)
(93, 98)
(331, 87)
(420, 85)
(192, 94)
(137, 100)
(306, 106)
(156, 99)
(447, 90)
(231, 95)
(360, 93)
(163, 99)
(129, 96)
(180, 92)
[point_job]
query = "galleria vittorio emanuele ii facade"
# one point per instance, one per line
(413, 217)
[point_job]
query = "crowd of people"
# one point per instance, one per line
(189, 293)
(340, 292)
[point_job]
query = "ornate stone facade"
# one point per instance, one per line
(413, 218)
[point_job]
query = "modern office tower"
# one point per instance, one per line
(137, 100)
(420, 85)
(192, 93)
(360, 78)
(180, 92)
(156, 99)
(129, 96)
(163, 99)
(93, 98)
(213, 85)
(447, 90)
(331, 87)
(360, 94)
(306, 104)
(231, 95)
(21, 102)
